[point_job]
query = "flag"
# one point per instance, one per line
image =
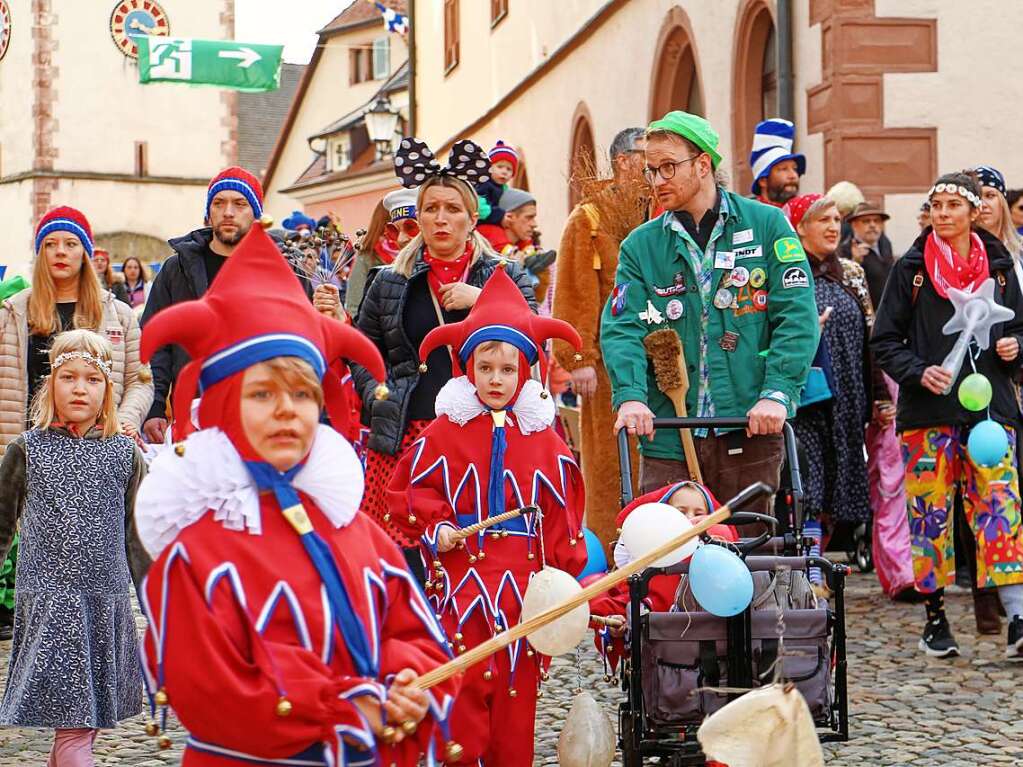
(220, 63)
(396, 22)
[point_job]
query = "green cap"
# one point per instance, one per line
(692, 128)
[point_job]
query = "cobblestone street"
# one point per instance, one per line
(906, 709)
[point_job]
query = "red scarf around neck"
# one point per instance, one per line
(445, 272)
(947, 269)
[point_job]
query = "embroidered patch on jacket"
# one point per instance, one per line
(795, 277)
(618, 298)
(788, 250)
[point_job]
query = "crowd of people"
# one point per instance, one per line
(318, 436)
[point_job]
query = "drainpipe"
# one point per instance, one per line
(786, 79)
(412, 68)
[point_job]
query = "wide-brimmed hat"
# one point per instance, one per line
(868, 209)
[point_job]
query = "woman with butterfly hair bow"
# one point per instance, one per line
(433, 281)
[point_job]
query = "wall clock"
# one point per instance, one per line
(136, 17)
(5, 27)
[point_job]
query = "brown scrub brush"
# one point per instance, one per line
(664, 348)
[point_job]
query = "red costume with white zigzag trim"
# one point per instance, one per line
(272, 603)
(444, 479)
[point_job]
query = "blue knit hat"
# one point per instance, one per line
(772, 144)
(235, 179)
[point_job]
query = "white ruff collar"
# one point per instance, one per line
(211, 477)
(458, 401)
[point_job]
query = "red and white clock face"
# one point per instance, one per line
(5, 27)
(131, 18)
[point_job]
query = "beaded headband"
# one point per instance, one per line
(102, 364)
(962, 191)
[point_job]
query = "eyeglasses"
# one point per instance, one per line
(665, 170)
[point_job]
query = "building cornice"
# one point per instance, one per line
(88, 175)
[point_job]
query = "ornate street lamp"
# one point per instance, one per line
(381, 123)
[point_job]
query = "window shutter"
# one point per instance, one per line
(450, 34)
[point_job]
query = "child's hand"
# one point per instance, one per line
(445, 540)
(1007, 348)
(458, 295)
(405, 702)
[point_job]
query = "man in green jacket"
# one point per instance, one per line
(729, 275)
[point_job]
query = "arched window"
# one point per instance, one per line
(583, 156)
(676, 81)
(755, 84)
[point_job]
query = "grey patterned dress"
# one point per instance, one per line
(74, 662)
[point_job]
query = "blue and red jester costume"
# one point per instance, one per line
(475, 462)
(277, 613)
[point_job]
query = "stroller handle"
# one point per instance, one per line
(788, 436)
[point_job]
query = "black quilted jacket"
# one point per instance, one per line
(381, 318)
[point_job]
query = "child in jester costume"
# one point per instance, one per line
(491, 450)
(284, 627)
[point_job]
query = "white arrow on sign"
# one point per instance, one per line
(246, 56)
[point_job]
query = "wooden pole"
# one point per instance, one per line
(505, 638)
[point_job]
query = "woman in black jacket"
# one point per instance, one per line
(435, 279)
(910, 345)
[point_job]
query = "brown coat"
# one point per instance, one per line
(133, 386)
(587, 260)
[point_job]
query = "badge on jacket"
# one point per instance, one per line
(619, 296)
(115, 334)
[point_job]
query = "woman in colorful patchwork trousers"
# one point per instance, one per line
(910, 345)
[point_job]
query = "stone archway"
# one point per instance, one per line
(148, 249)
(582, 155)
(676, 77)
(754, 83)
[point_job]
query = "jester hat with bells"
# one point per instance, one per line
(500, 314)
(254, 311)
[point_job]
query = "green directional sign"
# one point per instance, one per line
(224, 64)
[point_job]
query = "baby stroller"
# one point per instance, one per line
(683, 665)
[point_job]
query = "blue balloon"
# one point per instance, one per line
(988, 444)
(596, 559)
(720, 581)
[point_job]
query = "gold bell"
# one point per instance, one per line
(437, 565)
(283, 707)
(458, 636)
(504, 533)
(387, 516)
(388, 734)
(423, 368)
(461, 648)
(530, 653)
(539, 693)
(472, 559)
(161, 697)
(544, 676)
(607, 677)
(531, 555)
(428, 586)
(164, 742)
(453, 751)
(544, 394)
(381, 392)
(502, 263)
(482, 554)
(580, 535)
(512, 692)
(152, 728)
(495, 535)
(572, 542)
(266, 221)
(409, 727)
(179, 450)
(488, 675)
(577, 357)
(411, 519)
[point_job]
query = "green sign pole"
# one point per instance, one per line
(223, 64)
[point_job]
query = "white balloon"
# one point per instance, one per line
(547, 588)
(588, 737)
(653, 524)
